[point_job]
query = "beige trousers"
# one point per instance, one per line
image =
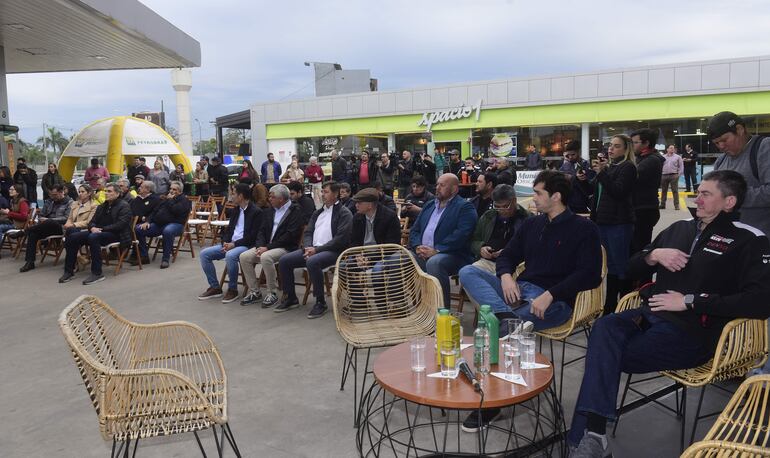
(269, 259)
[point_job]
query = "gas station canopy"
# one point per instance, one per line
(78, 35)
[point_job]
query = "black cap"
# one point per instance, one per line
(723, 123)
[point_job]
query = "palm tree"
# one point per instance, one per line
(55, 139)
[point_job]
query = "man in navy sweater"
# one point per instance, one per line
(562, 256)
(561, 253)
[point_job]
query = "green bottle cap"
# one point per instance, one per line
(443, 312)
(486, 308)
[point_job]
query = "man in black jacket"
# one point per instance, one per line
(54, 214)
(649, 166)
(240, 235)
(303, 201)
(167, 220)
(326, 236)
(111, 223)
(373, 224)
(339, 168)
(145, 201)
(139, 168)
(281, 228)
(27, 177)
(218, 179)
(710, 270)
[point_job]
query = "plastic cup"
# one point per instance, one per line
(417, 347)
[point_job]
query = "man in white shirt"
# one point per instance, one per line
(327, 235)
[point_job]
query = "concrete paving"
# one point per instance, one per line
(283, 369)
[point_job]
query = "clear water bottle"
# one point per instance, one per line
(481, 348)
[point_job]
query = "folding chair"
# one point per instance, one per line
(53, 245)
(123, 253)
(15, 239)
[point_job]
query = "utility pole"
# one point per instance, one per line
(45, 147)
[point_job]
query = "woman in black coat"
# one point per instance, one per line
(613, 211)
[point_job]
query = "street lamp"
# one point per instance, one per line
(200, 136)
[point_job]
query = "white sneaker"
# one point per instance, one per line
(591, 446)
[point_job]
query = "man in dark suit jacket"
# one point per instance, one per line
(281, 229)
(240, 235)
(373, 224)
(111, 223)
(440, 237)
(303, 201)
(326, 237)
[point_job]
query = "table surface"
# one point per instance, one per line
(393, 372)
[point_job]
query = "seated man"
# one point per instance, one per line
(126, 193)
(710, 270)
(482, 201)
(52, 218)
(304, 201)
(326, 236)
(111, 223)
(278, 235)
(240, 235)
(373, 223)
(345, 197)
(167, 220)
(145, 201)
(561, 253)
(99, 193)
(416, 199)
(440, 236)
(496, 227)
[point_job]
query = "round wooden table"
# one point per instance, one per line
(391, 420)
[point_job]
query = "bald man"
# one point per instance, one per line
(440, 237)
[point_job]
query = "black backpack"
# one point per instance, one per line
(752, 157)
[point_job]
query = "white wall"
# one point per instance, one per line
(282, 149)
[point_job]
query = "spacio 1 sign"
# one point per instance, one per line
(429, 119)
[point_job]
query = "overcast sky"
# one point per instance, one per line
(254, 50)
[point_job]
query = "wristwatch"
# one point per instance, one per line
(689, 300)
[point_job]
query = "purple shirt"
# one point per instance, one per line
(430, 229)
(673, 164)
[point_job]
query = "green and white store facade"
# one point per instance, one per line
(503, 117)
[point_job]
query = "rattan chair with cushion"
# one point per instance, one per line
(742, 347)
(147, 380)
(384, 300)
(742, 429)
(587, 308)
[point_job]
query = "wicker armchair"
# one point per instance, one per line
(385, 302)
(587, 308)
(717, 449)
(742, 346)
(147, 380)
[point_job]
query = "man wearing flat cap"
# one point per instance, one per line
(373, 223)
(748, 155)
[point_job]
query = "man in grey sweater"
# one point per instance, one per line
(728, 132)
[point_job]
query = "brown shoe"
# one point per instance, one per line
(209, 293)
(230, 296)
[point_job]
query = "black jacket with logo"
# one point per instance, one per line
(728, 273)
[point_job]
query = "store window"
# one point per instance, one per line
(513, 141)
(347, 146)
(415, 143)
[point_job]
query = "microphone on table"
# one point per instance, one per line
(468, 373)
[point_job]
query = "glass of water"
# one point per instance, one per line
(527, 341)
(512, 358)
(449, 352)
(417, 347)
(511, 327)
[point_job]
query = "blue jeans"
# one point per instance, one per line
(441, 266)
(314, 264)
(485, 288)
(5, 228)
(616, 239)
(635, 342)
(215, 253)
(169, 232)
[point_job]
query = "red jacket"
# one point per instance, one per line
(19, 217)
(314, 174)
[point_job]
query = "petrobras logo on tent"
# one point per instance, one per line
(134, 141)
(85, 141)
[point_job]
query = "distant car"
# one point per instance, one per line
(234, 171)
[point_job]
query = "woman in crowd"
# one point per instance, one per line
(160, 177)
(178, 174)
(201, 180)
(16, 216)
(248, 174)
(613, 211)
(293, 173)
(260, 193)
(50, 178)
(81, 211)
(6, 181)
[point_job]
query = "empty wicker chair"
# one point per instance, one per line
(384, 302)
(742, 427)
(147, 380)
